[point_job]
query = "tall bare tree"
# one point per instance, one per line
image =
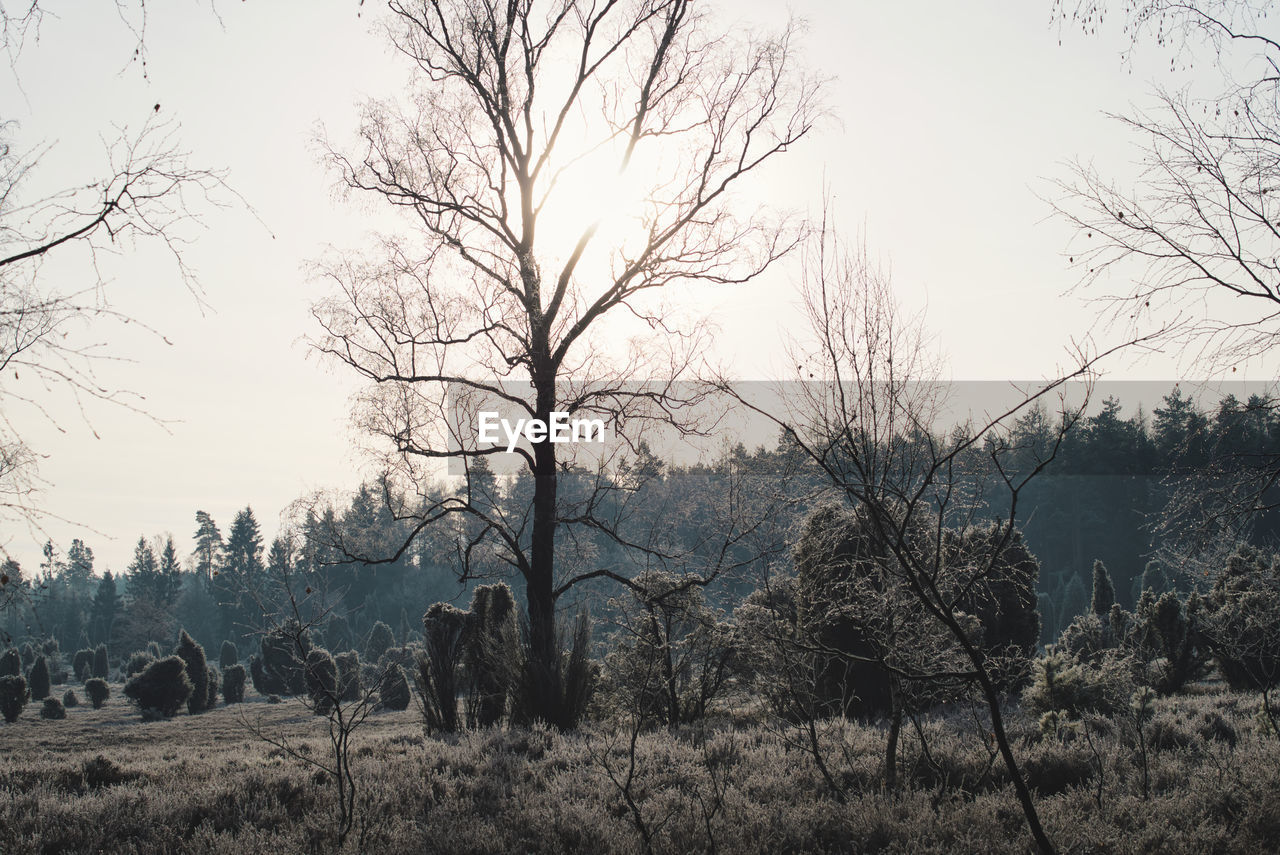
(868, 415)
(1193, 245)
(525, 124)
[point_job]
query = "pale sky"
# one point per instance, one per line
(953, 120)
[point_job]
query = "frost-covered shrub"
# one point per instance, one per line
(137, 663)
(13, 696)
(211, 688)
(490, 653)
(11, 663)
(438, 677)
(162, 688)
(233, 684)
(322, 680)
(102, 662)
(98, 691)
(280, 666)
(672, 654)
(192, 656)
(348, 665)
(39, 679)
(229, 655)
(1243, 613)
(82, 664)
(393, 690)
(53, 709)
(380, 640)
(1062, 684)
(70, 699)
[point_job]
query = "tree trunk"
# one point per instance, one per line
(539, 579)
(891, 749)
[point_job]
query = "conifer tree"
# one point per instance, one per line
(1104, 592)
(241, 570)
(39, 679)
(208, 545)
(104, 611)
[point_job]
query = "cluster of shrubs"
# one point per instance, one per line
(1104, 658)
(161, 687)
(30, 672)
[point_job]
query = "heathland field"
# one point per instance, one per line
(105, 781)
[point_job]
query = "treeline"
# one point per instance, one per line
(1111, 480)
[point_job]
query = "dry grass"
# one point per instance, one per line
(207, 784)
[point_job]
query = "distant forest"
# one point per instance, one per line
(1103, 496)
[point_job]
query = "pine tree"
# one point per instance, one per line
(1104, 593)
(104, 611)
(143, 574)
(169, 583)
(208, 545)
(79, 568)
(241, 570)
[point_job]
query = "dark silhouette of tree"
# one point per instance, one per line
(208, 546)
(106, 608)
(1104, 592)
(240, 577)
(512, 106)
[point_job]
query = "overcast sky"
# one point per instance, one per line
(953, 120)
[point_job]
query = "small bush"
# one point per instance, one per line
(211, 698)
(39, 679)
(438, 669)
(229, 655)
(101, 772)
(393, 689)
(1057, 768)
(233, 684)
(348, 665)
(280, 668)
(1213, 727)
(98, 691)
(274, 699)
(1063, 684)
(11, 663)
(13, 696)
(82, 664)
(381, 639)
(162, 689)
(102, 663)
(192, 655)
(70, 699)
(322, 680)
(53, 709)
(137, 663)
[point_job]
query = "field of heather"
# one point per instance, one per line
(104, 781)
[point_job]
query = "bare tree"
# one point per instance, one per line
(1193, 245)
(867, 420)
(515, 106)
(293, 612)
(147, 192)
